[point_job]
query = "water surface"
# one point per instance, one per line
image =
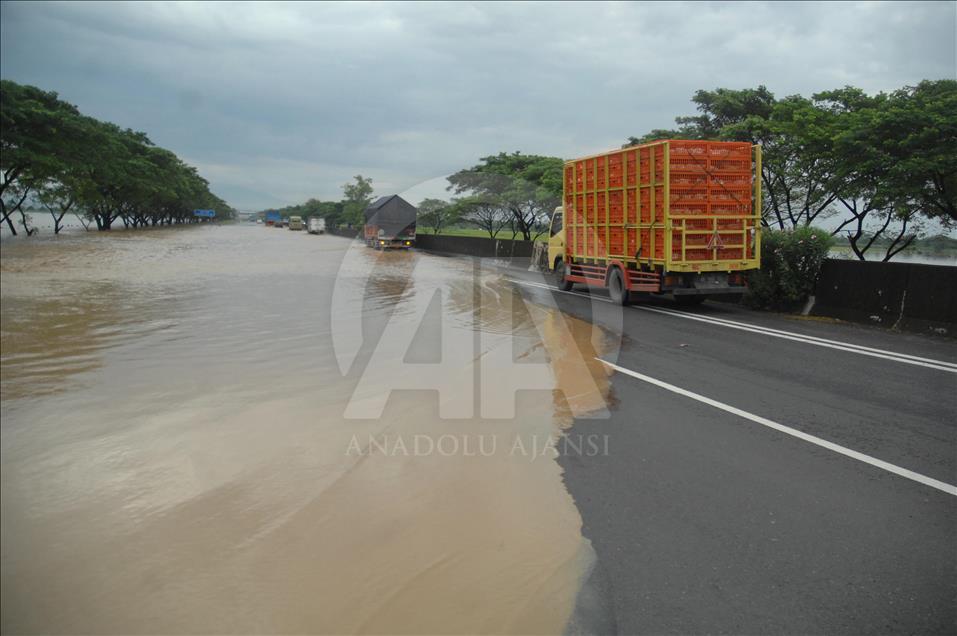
(177, 458)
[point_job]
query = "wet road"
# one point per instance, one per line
(707, 519)
(210, 430)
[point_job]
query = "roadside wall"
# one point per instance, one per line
(517, 253)
(343, 232)
(475, 246)
(899, 295)
(896, 295)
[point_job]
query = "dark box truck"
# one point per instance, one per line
(390, 222)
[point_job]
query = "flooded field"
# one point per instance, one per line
(198, 435)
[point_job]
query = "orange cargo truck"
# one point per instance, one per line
(671, 217)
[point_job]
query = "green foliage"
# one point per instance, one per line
(358, 196)
(880, 163)
(437, 214)
(790, 264)
(522, 189)
(484, 212)
(67, 161)
(893, 161)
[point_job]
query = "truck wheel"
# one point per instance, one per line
(616, 287)
(689, 301)
(561, 282)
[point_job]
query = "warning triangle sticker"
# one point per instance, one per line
(715, 241)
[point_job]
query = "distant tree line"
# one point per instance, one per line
(508, 191)
(348, 211)
(54, 156)
(879, 167)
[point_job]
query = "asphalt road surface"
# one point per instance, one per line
(767, 475)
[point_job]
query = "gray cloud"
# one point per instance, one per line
(275, 103)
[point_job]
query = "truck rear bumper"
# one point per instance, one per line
(706, 284)
(399, 244)
(706, 291)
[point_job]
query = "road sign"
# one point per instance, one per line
(205, 214)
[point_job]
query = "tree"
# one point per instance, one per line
(437, 214)
(358, 196)
(883, 162)
(524, 187)
(797, 176)
(865, 182)
(67, 161)
(58, 199)
(35, 133)
(724, 113)
(655, 135)
(483, 212)
(792, 174)
(917, 133)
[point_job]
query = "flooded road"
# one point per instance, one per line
(210, 430)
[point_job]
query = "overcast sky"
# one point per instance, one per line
(277, 103)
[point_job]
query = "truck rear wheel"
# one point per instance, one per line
(562, 283)
(616, 287)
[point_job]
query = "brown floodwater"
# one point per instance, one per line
(213, 429)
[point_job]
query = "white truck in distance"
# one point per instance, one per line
(316, 225)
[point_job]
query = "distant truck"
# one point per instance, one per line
(295, 223)
(316, 225)
(273, 219)
(671, 217)
(390, 222)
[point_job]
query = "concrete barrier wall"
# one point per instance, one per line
(467, 245)
(474, 246)
(902, 295)
(343, 232)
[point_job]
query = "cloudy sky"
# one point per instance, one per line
(277, 103)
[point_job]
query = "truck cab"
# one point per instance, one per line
(556, 239)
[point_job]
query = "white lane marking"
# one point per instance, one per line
(939, 365)
(529, 283)
(823, 443)
(942, 365)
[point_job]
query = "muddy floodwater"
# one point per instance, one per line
(230, 429)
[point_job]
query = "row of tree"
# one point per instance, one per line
(54, 156)
(876, 167)
(349, 211)
(513, 192)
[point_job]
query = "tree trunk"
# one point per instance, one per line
(6, 217)
(56, 222)
(23, 220)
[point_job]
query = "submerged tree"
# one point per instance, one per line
(69, 162)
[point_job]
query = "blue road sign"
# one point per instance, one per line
(206, 214)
